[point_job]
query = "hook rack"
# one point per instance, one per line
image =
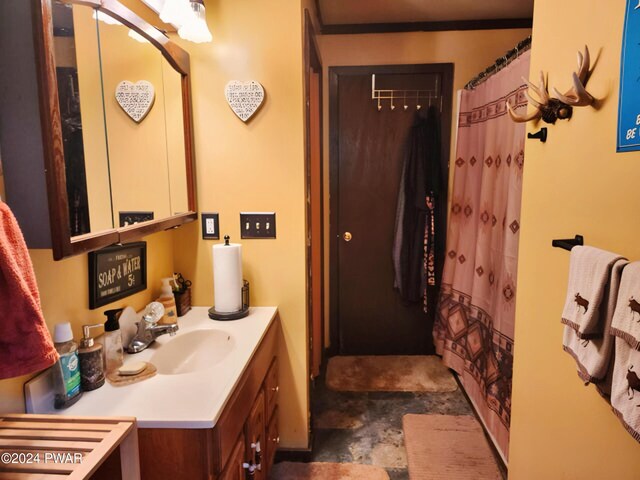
(404, 95)
(568, 243)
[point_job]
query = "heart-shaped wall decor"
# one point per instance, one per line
(244, 98)
(136, 99)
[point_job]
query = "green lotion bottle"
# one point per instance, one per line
(66, 372)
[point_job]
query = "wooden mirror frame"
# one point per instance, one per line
(63, 244)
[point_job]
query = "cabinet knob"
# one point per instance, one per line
(276, 439)
(275, 389)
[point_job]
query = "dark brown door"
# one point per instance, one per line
(367, 153)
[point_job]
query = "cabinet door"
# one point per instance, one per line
(255, 437)
(271, 387)
(272, 441)
(235, 470)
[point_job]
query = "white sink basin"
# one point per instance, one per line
(192, 352)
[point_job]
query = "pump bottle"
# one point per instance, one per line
(169, 302)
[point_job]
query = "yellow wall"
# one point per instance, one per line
(64, 292)
(470, 51)
(575, 183)
(258, 166)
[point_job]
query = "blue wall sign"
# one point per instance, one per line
(629, 107)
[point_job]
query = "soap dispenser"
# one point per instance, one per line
(113, 351)
(168, 301)
(91, 364)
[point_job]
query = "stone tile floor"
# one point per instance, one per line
(367, 427)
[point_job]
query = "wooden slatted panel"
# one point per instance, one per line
(42, 451)
(66, 447)
(90, 427)
(38, 444)
(42, 467)
(52, 434)
(19, 417)
(30, 476)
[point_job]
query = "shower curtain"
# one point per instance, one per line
(476, 309)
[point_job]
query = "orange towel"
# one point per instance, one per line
(25, 342)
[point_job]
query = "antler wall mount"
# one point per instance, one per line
(560, 106)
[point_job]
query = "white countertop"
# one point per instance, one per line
(189, 400)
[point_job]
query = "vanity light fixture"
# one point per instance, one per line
(176, 12)
(103, 17)
(195, 29)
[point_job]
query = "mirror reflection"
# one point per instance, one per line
(123, 127)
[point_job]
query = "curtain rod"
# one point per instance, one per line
(500, 63)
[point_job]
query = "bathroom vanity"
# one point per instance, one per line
(211, 411)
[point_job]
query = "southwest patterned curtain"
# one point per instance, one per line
(475, 319)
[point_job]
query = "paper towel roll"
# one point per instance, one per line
(227, 277)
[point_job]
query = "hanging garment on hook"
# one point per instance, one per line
(416, 215)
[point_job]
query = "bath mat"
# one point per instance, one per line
(444, 447)
(389, 373)
(326, 471)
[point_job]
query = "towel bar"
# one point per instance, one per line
(568, 243)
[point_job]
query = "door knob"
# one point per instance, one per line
(347, 236)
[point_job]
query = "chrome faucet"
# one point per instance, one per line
(149, 330)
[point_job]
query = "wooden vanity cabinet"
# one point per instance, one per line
(219, 453)
(235, 469)
(272, 440)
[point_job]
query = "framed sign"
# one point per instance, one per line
(117, 272)
(629, 106)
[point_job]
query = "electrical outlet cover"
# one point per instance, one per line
(210, 226)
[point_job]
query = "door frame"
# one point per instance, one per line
(313, 65)
(446, 70)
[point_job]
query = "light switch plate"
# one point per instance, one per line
(257, 225)
(210, 226)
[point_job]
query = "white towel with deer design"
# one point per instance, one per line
(593, 356)
(589, 275)
(626, 321)
(625, 390)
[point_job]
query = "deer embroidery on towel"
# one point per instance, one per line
(582, 302)
(635, 307)
(633, 383)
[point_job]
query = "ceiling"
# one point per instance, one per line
(366, 12)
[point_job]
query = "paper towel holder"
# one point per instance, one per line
(224, 316)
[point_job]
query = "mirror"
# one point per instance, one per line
(124, 118)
